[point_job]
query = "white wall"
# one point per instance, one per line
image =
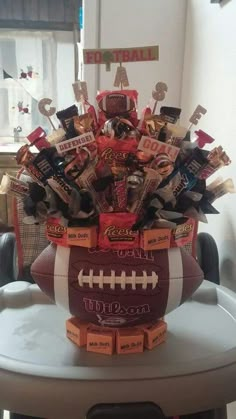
(130, 23)
(210, 79)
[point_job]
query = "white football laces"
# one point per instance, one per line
(113, 280)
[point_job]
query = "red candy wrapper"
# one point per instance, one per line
(38, 137)
(112, 151)
(115, 231)
(56, 231)
(119, 193)
(184, 234)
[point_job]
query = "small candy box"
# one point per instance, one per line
(184, 234)
(82, 236)
(76, 331)
(56, 231)
(154, 334)
(155, 239)
(101, 340)
(129, 341)
(115, 231)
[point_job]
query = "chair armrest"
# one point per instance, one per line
(8, 258)
(208, 257)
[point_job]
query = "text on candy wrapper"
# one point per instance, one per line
(80, 141)
(152, 146)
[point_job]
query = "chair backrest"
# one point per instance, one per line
(30, 239)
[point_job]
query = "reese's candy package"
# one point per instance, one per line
(115, 231)
(111, 150)
(184, 233)
(56, 231)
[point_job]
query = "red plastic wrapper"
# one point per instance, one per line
(113, 151)
(38, 137)
(115, 231)
(56, 231)
(119, 192)
(184, 234)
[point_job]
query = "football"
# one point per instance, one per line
(116, 287)
(115, 104)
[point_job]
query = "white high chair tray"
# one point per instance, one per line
(42, 373)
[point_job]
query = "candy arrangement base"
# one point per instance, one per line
(117, 288)
(107, 341)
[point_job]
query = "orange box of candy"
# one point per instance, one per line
(82, 236)
(155, 239)
(154, 334)
(76, 330)
(129, 341)
(101, 340)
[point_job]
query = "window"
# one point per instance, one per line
(27, 74)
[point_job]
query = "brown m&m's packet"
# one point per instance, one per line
(115, 231)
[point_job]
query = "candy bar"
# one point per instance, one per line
(216, 158)
(176, 133)
(83, 123)
(111, 150)
(38, 138)
(170, 114)
(134, 186)
(119, 193)
(115, 231)
(66, 116)
(12, 186)
(151, 182)
(221, 189)
(56, 136)
(86, 180)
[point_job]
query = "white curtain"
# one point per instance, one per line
(27, 74)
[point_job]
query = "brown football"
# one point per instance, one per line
(115, 104)
(117, 288)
